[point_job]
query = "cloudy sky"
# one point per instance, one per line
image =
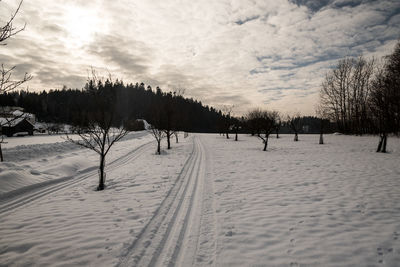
(264, 53)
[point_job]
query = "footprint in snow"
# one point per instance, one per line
(34, 172)
(229, 233)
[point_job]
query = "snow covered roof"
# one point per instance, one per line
(11, 122)
(19, 113)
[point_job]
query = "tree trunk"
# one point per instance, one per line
(296, 137)
(169, 140)
(265, 143)
(236, 136)
(227, 135)
(384, 143)
(159, 147)
(380, 144)
(277, 134)
(1, 154)
(321, 132)
(176, 137)
(101, 177)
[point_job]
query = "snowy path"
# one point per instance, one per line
(26, 195)
(171, 238)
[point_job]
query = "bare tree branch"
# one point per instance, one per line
(8, 30)
(6, 83)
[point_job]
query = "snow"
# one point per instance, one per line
(208, 201)
(44, 158)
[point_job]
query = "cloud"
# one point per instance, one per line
(241, 22)
(249, 53)
(128, 57)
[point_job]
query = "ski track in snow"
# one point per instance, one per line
(175, 234)
(27, 195)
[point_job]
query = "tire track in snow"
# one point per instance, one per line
(171, 236)
(20, 197)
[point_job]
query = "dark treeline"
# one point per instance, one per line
(132, 101)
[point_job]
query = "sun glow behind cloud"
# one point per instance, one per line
(81, 25)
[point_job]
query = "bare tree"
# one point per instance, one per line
(101, 131)
(268, 121)
(253, 118)
(158, 121)
(345, 91)
(158, 135)
(237, 125)
(99, 138)
(323, 122)
(7, 83)
(385, 98)
(7, 31)
(262, 122)
(173, 117)
(169, 112)
(179, 116)
(295, 124)
(226, 119)
(278, 123)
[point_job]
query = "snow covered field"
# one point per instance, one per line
(207, 201)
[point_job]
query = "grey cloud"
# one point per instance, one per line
(313, 5)
(54, 29)
(274, 96)
(241, 22)
(130, 56)
(226, 98)
(316, 5)
(51, 76)
(170, 77)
